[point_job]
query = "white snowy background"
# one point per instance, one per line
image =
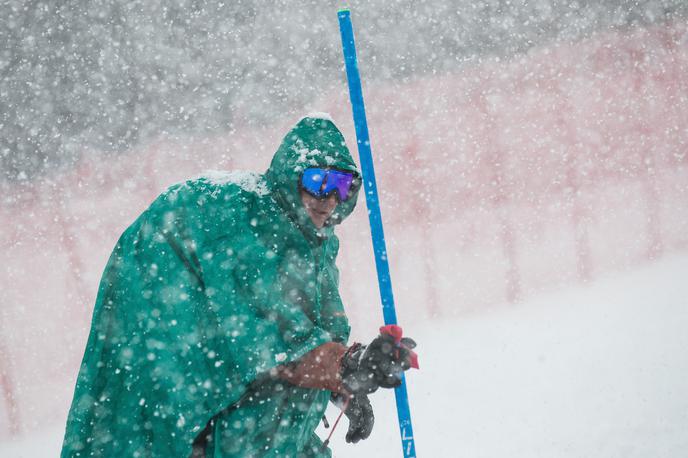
(534, 177)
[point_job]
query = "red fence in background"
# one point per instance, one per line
(505, 179)
(567, 126)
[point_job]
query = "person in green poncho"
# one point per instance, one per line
(218, 329)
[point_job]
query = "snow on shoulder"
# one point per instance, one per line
(246, 180)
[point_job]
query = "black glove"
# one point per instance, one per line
(380, 364)
(360, 415)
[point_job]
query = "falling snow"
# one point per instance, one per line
(532, 164)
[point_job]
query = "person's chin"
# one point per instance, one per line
(320, 219)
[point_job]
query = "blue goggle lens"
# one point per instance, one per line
(322, 182)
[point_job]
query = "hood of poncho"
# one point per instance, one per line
(313, 142)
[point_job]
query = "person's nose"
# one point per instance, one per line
(327, 204)
(331, 202)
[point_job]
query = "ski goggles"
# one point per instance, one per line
(320, 183)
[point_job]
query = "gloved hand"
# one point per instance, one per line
(360, 415)
(355, 370)
(380, 364)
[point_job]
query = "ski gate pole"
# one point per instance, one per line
(374, 215)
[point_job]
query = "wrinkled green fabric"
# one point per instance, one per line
(220, 280)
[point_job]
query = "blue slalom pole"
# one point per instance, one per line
(370, 190)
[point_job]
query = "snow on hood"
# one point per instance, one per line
(319, 115)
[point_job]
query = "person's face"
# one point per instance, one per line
(319, 209)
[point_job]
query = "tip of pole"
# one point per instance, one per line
(344, 10)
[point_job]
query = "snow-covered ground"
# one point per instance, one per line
(592, 371)
(595, 371)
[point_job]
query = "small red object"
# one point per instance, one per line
(392, 330)
(414, 359)
(397, 333)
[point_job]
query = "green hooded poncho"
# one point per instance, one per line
(219, 281)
